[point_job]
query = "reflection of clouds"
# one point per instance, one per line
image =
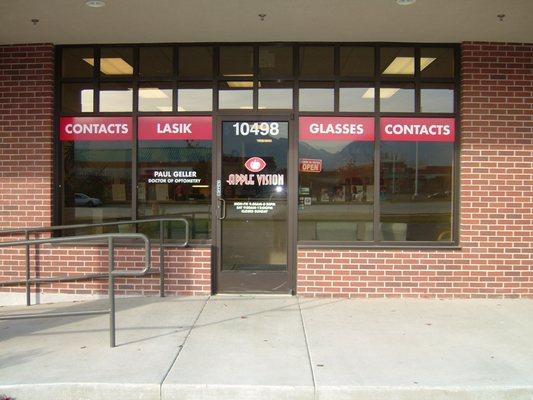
(116, 100)
(402, 101)
(436, 100)
(235, 99)
(275, 98)
(316, 99)
(351, 99)
(195, 99)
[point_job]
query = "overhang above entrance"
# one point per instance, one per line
(141, 21)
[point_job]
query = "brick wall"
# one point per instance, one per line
(26, 165)
(496, 258)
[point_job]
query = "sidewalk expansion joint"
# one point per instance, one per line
(308, 350)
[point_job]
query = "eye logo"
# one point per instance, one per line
(255, 164)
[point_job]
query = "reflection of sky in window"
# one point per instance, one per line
(116, 100)
(351, 99)
(401, 101)
(436, 100)
(235, 99)
(87, 100)
(155, 99)
(195, 99)
(275, 98)
(316, 99)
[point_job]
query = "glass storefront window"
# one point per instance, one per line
(275, 62)
(236, 61)
(436, 99)
(155, 97)
(336, 204)
(416, 191)
(235, 95)
(77, 98)
(195, 62)
(437, 62)
(77, 62)
(195, 96)
(316, 62)
(397, 99)
(97, 182)
(356, 98)
(356, 61)
(397, 62)
(316, 96)
(116, 61)
(156, 62)
(191, 200)
(275, 96)
(116, 97)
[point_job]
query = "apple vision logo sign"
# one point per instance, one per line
(255, 164)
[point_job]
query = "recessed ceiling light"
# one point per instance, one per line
(405, 2)
(95, 3)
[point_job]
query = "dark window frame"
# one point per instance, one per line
(375, 81)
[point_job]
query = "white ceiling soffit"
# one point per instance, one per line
(152, 21)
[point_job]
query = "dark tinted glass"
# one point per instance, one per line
(255, 227)
(275, 95)
(116, 61)
(436, 99)
(397, 61)
(335, 204)
(195, 62)
(155, 97)
(235, 95)
(77, 97)
(397, 99)
(437, 62)
(77, 62)
(416, 191)
(316, 96)
(190, 159)
(116, 97)
(195, 96)
(156, 61)
(357, 61)
(275, 61)
(316, 61)
(236, 61)
(356, 98)
(96, 182)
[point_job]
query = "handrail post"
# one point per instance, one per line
(161, 259)
(111, 291)
(28, 295)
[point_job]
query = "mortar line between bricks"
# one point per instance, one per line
(307, 348)
(181, 348)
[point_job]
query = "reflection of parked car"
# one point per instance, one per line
(82, 200)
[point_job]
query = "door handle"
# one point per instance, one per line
(222, 208)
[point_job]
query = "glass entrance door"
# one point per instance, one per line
(253, 208)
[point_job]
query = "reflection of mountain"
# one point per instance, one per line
(358, 152)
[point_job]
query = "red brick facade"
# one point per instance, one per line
(496, 208)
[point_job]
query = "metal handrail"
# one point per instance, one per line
(111, 271)
(38, 229)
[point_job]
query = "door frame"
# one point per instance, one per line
(292, 192)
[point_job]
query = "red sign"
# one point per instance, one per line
(418, 129)
(95, 128)
(255, 164)
(310, 165)
(175, 128)
(337, 128)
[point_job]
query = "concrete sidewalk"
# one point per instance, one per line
(263, 347)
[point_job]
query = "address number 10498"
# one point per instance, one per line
(256, 128)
